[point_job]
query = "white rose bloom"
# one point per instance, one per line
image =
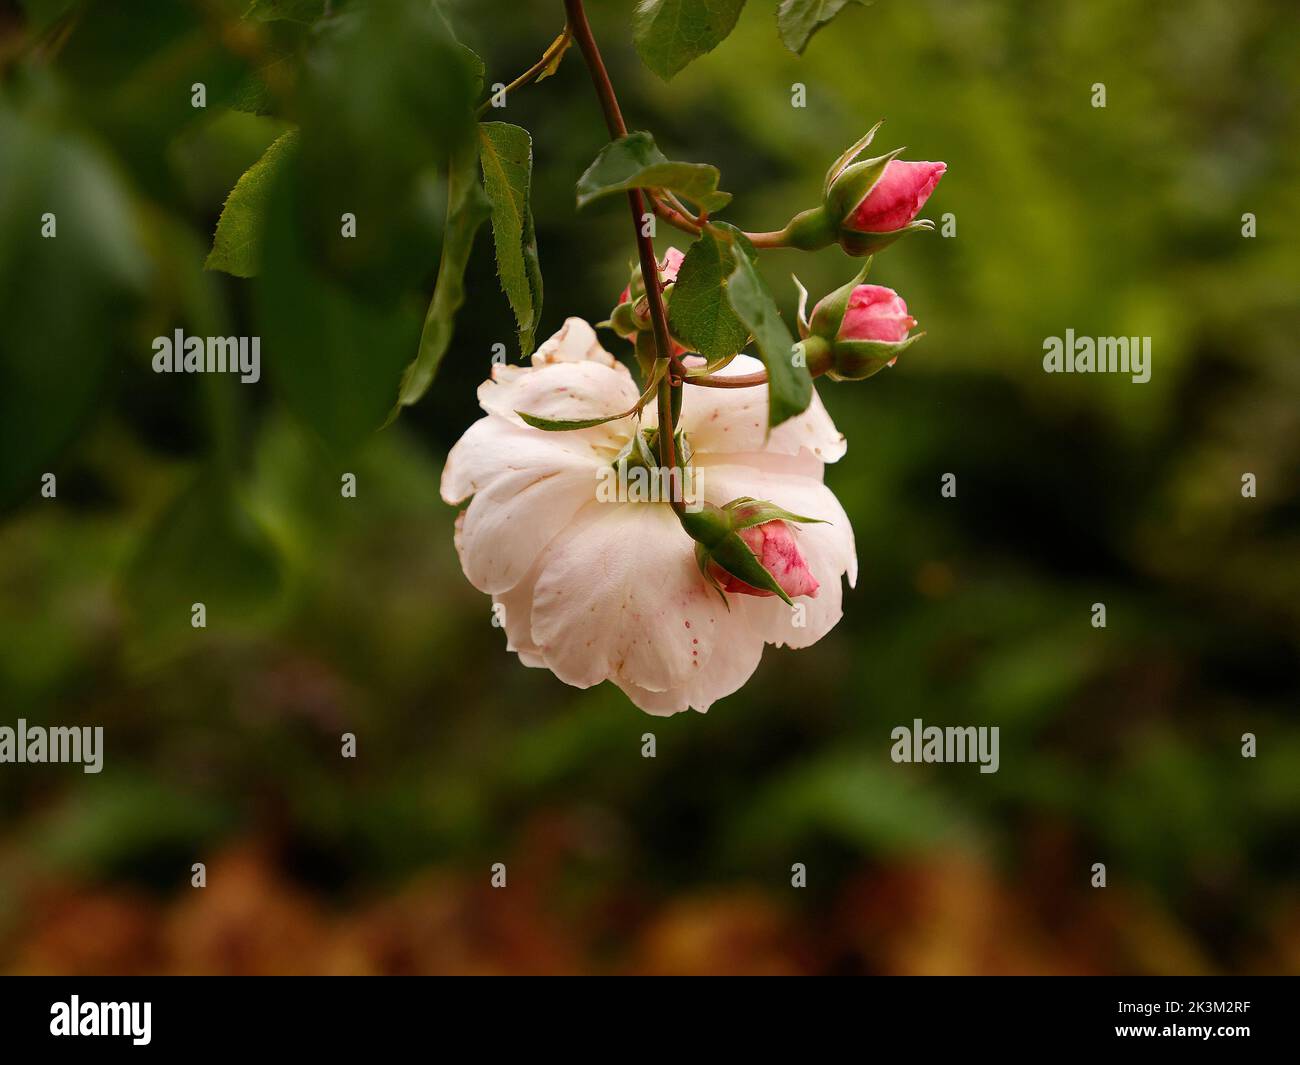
(596, 590)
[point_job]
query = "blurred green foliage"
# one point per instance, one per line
(328, 614)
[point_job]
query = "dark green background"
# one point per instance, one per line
(328, 615)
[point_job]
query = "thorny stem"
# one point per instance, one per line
(671, 381)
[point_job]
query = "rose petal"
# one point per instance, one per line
(732, 663)
(621, 598)
(727, 420)
(509, 523)
(493, 447)
(574, 341)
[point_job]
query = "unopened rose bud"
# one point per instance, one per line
(856, 331)
(875, 313)
(774, 546)
(867, 205)
(876, 201)
(896, 198)
(748, 548)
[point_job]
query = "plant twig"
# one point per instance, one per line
(533, 73)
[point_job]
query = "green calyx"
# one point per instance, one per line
(857, 244)
(856, 360)
(623, 320)
(854, 183)
(810, 230)
(716, 532)
(829, 312)
(838, 167)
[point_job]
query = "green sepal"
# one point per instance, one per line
(856, 360)
(829, 312)
(702, 560)
(558, 425)
(707, 526)
(736, 557)
(853, 152)
(647, 352)
(714, 529)
(622, 320)
(856, 244)
(801, 317)
(854, 184)
(811, 230)
(747, 512)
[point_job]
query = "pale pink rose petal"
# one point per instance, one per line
(597, 616)
(493, 447)
(670, 264)
(517, 619)
(732, 663)
(728, 420)
(510, 523)
(565, 391)
(576, 341)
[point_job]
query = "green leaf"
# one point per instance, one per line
(671, 33)
(335, 357)
(798, 20)
(635, 162)
(702, 317)
(467, 208)
(557, 425)
(789, 386)
(67, 299)
(236, 245)
(506, 156)
(384, 100)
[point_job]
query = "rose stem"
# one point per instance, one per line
(645, 247)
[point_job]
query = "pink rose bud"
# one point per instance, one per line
(875, 313)
(774, 545)
(855, 331)
(897, 197)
